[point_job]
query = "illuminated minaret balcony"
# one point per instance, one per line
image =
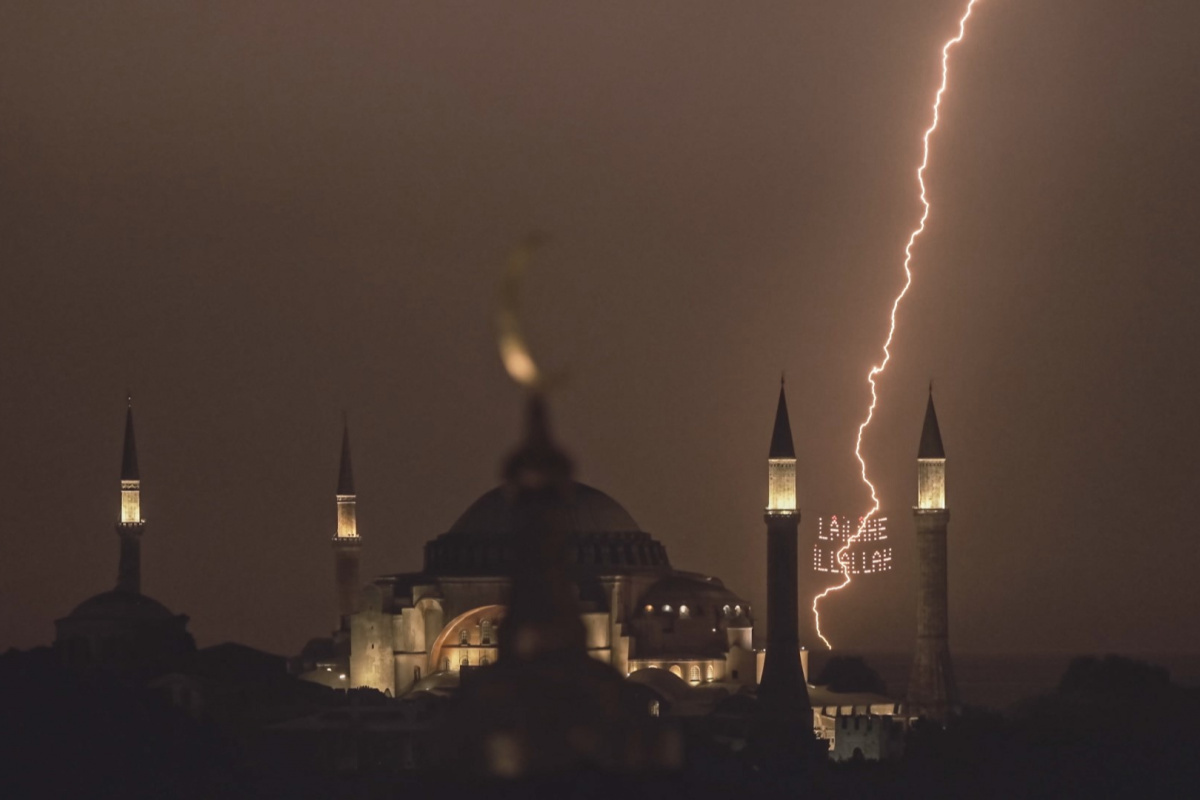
(781, 464)
(347, 499)
(131, 484)
(131, 524)
(346, 541)
(347, 524)
(131, 502)
(781, 486)
(931, 464)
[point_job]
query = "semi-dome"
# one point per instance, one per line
(589, 510)
(602, 537)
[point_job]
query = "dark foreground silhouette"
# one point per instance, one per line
(1113, 727)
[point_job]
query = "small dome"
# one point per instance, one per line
(589, 510)
(117, 604)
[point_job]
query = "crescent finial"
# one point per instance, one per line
(510, 336)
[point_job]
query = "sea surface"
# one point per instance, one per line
(998, 681)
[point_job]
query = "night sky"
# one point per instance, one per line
(256, 215)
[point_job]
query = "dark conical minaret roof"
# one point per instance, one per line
(931, 436)
(781, 437)
(129, 465)
(346, 472)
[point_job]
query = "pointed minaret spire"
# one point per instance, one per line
(931, 436)
(931, 462)
(346, 542)
(129, 464)
(131, 524)
(346, 472)
(781, 461)
(781, 436)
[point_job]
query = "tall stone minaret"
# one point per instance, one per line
(347, 544)
(783, 691)
(129, 529)
(931, 689)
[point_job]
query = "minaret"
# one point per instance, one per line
(782, 692)
(129, 529)
(346, 542)
(931, 689)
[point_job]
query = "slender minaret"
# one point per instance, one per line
(129, 529)
(782, 691)
(931, 689)
(346, 542)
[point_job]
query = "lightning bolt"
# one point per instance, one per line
(887, 353)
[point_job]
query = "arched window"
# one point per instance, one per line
(464, 637)
(694, 674)
(466, 662)
(726, 609)
(485, 632)
(737, 611)
(683, 612)
(667, 609)
(654, 708)
(708, 673)
(677, 670)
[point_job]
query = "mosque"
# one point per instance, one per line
(421, 630)
(683, 635)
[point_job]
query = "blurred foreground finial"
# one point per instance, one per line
(510, 335)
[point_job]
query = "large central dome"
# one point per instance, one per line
(601, 537)
(588, 510)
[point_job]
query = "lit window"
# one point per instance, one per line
(737, 611)
(694, 674)
(683, 612)
(485, 632)
(667, 609)
(649, 609)
(726, 610)
(654, 707)
(464, 637)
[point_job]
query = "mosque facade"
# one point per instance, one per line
(422, 630)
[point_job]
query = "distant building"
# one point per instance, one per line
(867, 736)
(122, 630)
(869, 554)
